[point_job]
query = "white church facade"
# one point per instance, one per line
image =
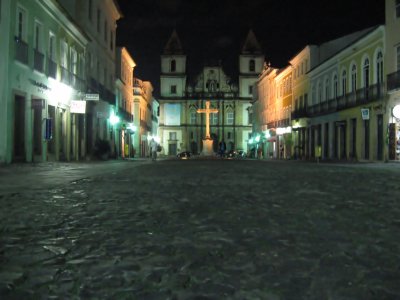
(181, 127)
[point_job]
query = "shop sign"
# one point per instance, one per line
(92, 97)
(283, 130)
(78, 107)
(365, 113)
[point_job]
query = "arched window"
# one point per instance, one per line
(319, 92)
(327, 90)
(173, 65)
(344, 83)
(354, 78)
(335, 87)
(252, 65)
(379, 67)
(366, 73)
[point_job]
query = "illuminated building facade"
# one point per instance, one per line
(392, 72)
(98, 19)
(41, 74)
(143, 116)
(180, 126)
(124, 129)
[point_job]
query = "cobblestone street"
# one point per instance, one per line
(201, 229)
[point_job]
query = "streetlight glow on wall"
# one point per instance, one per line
(114, 119)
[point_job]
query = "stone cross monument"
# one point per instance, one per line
(207, 141)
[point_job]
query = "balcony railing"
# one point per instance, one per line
(299, 113)
(65, 76)
(21, 51)
(38, 61)
(393, 81)
(51, 68)
(361, 96)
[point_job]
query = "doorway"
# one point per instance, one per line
(380, 137)
(19, 129)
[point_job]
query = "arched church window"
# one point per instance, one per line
(173, 65)
(252, 65)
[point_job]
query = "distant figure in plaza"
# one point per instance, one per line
(153, 148)
(281, 150)
(222, 148)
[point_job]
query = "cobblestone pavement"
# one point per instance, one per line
(203, 229)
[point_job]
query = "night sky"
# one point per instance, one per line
(212, 30)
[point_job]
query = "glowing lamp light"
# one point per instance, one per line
(267, 134)
(131, 127)
(114, 119)
(257, 139)
(396, 111)
(251, 141)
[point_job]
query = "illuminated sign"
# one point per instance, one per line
(92, 97)
(78, 107)
(283, 130)
(365, 113)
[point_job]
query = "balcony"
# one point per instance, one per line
(393, 81)
(51, 68)
(38, 61)
(93, 85)
(21, 51)
(299, 113)
(65, 76)
(360, 97)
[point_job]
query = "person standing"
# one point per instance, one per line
(153, 148)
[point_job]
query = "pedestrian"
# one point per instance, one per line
(222, 148)
(153, 148)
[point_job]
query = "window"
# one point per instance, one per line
(172, 136)
(64, 54)
(229, 118)
(327, 96)
(379, 67)
(252, 65)
(191, 135)
(21, 24)
(344, 83)
(105, 31)
(319, 93)
(193, 117)
(229, 135)
(173, 89)
(335, 87)
(52, 46)
(74, 61)
(98, 19)
(397, 4)
(38, 37)
(305, 100)
(111, 40)
(398, 58)
(302, 68)
(250, 90)
(213, 119)
(366, 73)
(306, 66)
(353, 78)
(90, 10)
(173, 65)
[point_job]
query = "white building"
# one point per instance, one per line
(180, 126)
(42, 71)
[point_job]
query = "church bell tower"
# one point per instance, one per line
(251, 62)
(173, 69)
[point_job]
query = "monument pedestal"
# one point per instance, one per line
(207, 147)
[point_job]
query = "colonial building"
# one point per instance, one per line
(392, 70)
(347, 101)
(181, 127)
(42, 72)
(98, 19)
(124, 127)
(143, 116)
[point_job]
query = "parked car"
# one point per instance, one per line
(184, 155)
(236, 154)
